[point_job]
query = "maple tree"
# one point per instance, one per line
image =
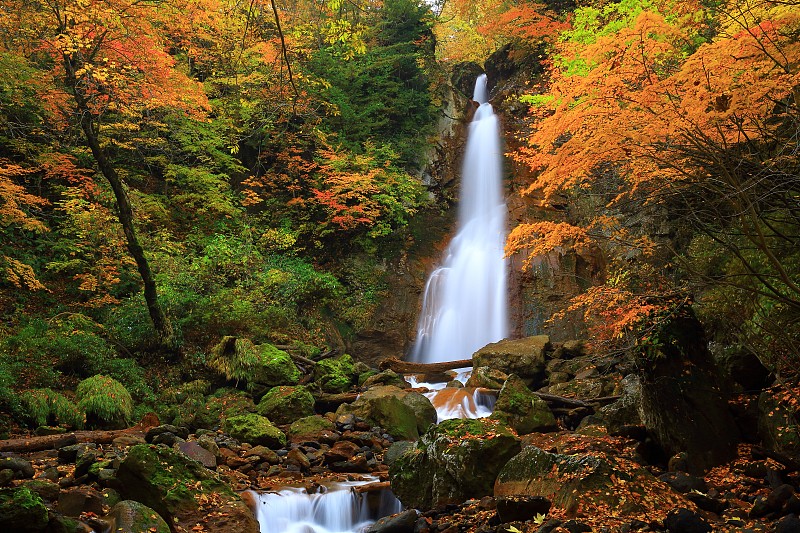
(687, 109)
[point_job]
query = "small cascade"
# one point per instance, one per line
(457, 402)
(335, 509)
(464, 306)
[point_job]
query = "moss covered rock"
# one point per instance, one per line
(22, 510)
(487, 378)
(777, 425)
(387, 377)
(255, 429)
(310, 426)
(106, 402)
(256, 366)
(129, 516)
(402, 413)
(335, 375)
(182, 490)
(585, 484)
(452, 462)
(221, 405)
(284, 405)
(521, 409)
(524, 357)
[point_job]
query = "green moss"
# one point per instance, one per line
(105, 401)
(223, 404)
(241, 360)
(335, 375)
(284, 405)
(22, 510)
(45, 407)
(310, 425)
(254, 429)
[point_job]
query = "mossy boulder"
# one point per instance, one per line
(106, 402)
(22, 510)
(586, 388)
(257, 366)
(335, 375)
(585, 483)
(254, 429)
(402, 413)
(130, 516)
(221, 405)
(46, 407)
(520, 409)
(387, 377)
(486, 378)
(310, 426)
(285, 404)
(777, 425)
(182, 490)
(524, 357)
(454, 461)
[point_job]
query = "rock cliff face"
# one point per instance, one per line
(534, 294)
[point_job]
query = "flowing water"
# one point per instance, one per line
(335, 509)
(464, 306)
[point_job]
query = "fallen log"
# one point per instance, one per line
(330, 402)
(50, 442)
(562, 400)
(371, 487)
(408, 367)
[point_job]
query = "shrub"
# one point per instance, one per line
(241, 360)
(45, 407)
(105, 401)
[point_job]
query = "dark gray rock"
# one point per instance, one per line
(683, 482)
(130, 516)
(400, 523)
(22, 469)
(152, 433)
(521, 508)
(788, 524)
(73, 502)
(198, 453)
(683, 520)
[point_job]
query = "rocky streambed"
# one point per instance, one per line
(565, 449)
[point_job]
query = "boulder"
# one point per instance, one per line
(76, 500)
(585, 388)
(683, 520)
(309, 427)
(129, 516)
(45, 488)
(777, 425)
(22, 469)
(335, 375)
(254, 429)
(22, 510)
(487, 378)
(259, 366)
(221, 405)
(182, 490)
(195, 451)
(404, 414)
(285, 404)
(521, 508)
(399, 523)
(452, 462)
(625, 411)
(584, 483)
(387, 377)
(520, 409)
(523, 357)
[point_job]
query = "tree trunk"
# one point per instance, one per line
(166, 335)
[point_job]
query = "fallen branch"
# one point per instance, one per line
(50, 442)
(371, 487)
(408, 367)
(562, 400)
(330, 402)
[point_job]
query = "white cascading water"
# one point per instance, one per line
(335, 509)
(464, 307)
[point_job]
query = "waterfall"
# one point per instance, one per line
(464, 305)
(335, 509)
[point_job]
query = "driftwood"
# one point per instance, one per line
(50, 442)
(407, 367)
(371, 487)
(330, 402)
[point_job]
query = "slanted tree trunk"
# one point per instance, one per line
(162, 325)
